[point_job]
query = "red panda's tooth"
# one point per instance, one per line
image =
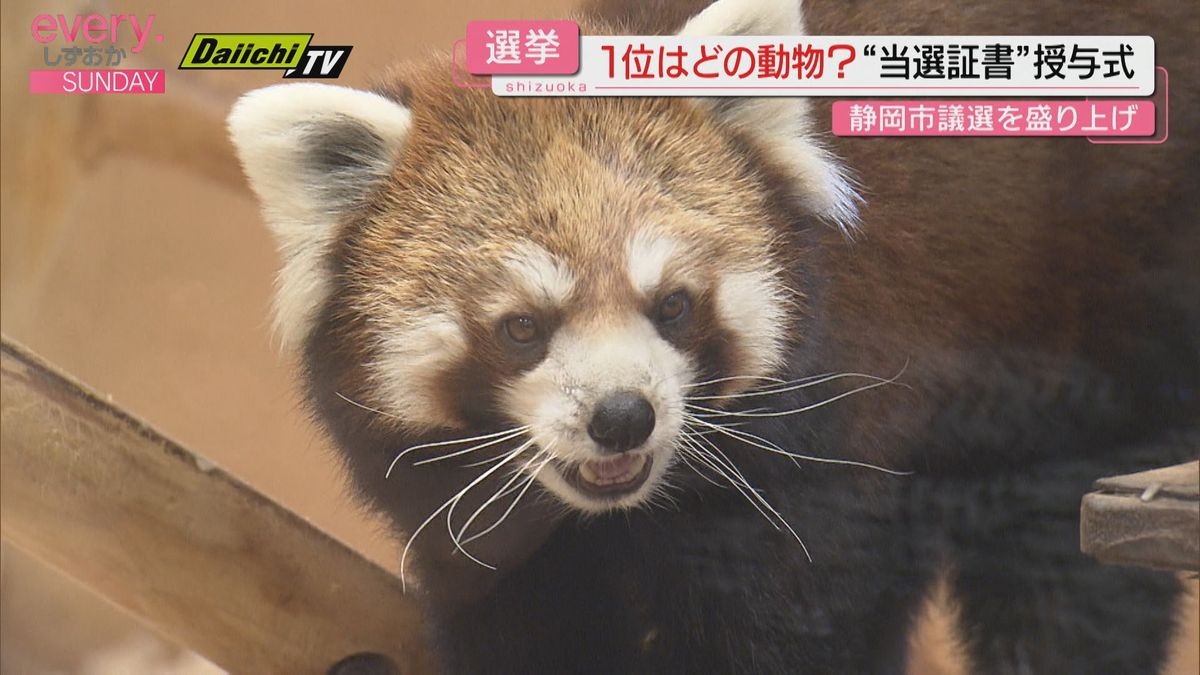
(587, 473)
(636, 467)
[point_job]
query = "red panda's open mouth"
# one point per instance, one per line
(609, 478)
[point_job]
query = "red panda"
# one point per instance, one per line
(681, 385)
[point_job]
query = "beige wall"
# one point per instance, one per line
(151, 284)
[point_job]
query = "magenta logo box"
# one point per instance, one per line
(522, 47)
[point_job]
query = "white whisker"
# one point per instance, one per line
(508, 433)
(528, 484)
(708, 462)
(731, 378)
(803, 383)
(483, 462)
(471, 449)
(761, 500)
(717, 454)
(517, 475)
(762, 443)
(447, 504)
(782, 413)
(457, 498)
(682, 453)
(366, 407)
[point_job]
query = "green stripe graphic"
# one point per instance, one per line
(265, 51)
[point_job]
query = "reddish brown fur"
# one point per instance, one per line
(945, 262)
(479, 175)
(976, 242)
(1036, 242)
(972, 251)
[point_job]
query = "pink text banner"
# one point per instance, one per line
(1107, 117)
(522, 47)
(98, 81)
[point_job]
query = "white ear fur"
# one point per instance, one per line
(782, 121)
(313, 154)
(747, 17)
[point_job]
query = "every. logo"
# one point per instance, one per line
(86, 60)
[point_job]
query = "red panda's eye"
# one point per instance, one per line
(521, 329)
(673, 307)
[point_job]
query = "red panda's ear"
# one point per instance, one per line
(783, 123)
(313, 153)
(747, 17)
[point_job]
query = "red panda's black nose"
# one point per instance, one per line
(622, 421)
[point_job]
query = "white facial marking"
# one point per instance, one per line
(409, 362)
(751, 305)
(558, 397)
(647, 257)
(543, 276)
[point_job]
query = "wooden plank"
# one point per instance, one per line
(1181, 480)
(1150, 519)
(178, 542)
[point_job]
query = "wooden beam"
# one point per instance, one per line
(180, 543)
(1150, 519)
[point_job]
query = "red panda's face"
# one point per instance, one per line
(574, 271)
